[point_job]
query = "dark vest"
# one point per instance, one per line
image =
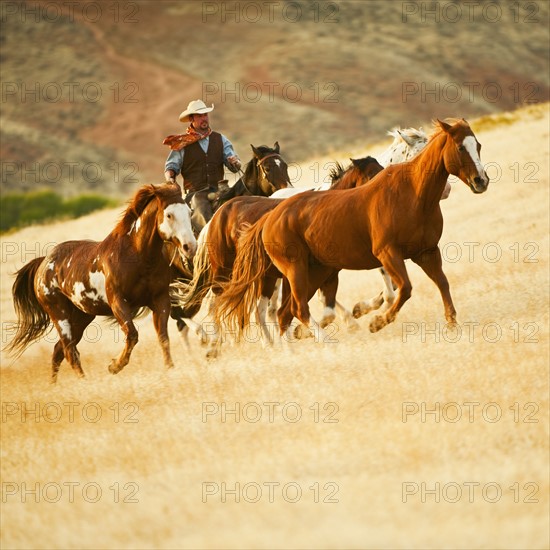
(200, 169)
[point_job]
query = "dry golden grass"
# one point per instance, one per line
(172, 454)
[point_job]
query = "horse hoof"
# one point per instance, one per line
(212, 354)
(377, 323)
(358, 310)
(325, 321)
(113, 367)
(301, 332)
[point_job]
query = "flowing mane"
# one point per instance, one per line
(141, 200)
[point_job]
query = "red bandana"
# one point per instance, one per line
(179, 141)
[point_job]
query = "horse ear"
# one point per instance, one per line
(276, 147)
(407, 139)
(255, 151)
(444, 126)
(355, 162)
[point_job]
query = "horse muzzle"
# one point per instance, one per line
(478, 184)
(186, 248)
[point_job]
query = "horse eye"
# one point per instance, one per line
(169, 216)
(461, 148)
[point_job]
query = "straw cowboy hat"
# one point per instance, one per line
(196, 107)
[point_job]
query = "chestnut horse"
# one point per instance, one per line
(396, 216)
(116, 277)
(406, 144)
(219, 242)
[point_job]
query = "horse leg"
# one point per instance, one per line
(430, 262)
(285, 315)
(327, 295)
(394, 264)
(57, 358)
(70, 323)
(161, 312)
(273, 301)
(215, 340)
(124, 317)
(386, 296)
(301, 291)
(185, 323)
(269, 285)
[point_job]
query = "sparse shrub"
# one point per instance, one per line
(20, 209)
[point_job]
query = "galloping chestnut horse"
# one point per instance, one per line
(117, 277)
(219, 242)
(396, 216)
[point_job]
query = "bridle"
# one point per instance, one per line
(259, 164)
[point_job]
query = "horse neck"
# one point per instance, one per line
(349, 180)
(429, 174)
(146, 239)
(250, 178)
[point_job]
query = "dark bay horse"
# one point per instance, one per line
(396, 216)
(219, 242)
(117, 277)
(264, 174)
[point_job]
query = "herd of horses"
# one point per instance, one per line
(267, 250)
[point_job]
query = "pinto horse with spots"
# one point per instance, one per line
(219, 242)
(397, 216)
(116, 277)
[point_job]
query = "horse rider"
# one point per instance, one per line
(199, 156)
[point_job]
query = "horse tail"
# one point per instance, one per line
(32, 320)
(240, 295)
(188, 295)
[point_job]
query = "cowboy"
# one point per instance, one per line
(199, 156)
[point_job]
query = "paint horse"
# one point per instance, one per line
(116, 277)
(397, 216)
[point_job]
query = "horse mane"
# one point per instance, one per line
(338, 171)
(139, 203)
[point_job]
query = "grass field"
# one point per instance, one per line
(413, 437)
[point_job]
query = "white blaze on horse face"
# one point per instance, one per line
(470, 144)
(177, 225)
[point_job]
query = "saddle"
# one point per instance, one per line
(223, 186)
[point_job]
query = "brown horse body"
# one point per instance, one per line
(118, 276)
(313, 235)
(216, 256)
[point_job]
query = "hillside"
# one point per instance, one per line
(88, 93)
(412, 437)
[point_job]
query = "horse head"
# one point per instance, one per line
(407, 143)
(174, 219)
(272, 169)
(359, 172)
(462, 155)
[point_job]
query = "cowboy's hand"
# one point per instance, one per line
(234, 162)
